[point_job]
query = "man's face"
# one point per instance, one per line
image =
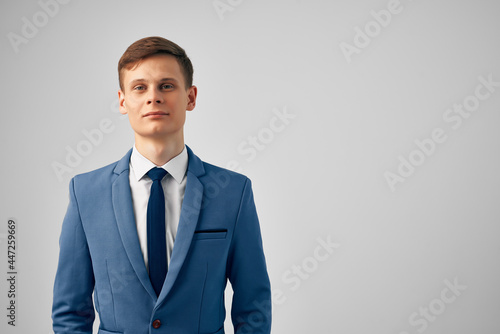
(155, 98)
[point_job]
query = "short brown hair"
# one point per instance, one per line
(154, 45)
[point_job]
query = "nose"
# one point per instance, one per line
(154, 97)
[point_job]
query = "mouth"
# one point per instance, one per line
(156, 114)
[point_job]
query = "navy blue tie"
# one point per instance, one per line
(157, 244)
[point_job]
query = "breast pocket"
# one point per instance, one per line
(210, 234)
(103, 331)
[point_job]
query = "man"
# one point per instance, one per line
(155, 236)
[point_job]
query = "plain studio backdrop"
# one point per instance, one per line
(369, 130)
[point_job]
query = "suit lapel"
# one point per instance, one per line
(124, 213)
(190, 212)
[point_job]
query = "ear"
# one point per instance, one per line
(121, 102)
(192, 92)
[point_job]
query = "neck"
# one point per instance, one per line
(159, 151)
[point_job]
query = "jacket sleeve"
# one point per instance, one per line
(247, 272)
(72, 308)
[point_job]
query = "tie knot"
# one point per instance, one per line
(157, 173)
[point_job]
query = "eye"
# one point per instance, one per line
(167, 86)
(139, 87)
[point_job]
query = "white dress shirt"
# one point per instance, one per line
(174, 186)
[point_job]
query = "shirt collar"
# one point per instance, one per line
(176, 167)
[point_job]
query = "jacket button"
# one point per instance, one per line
(156, 324)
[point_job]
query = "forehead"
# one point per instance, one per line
(153, 67)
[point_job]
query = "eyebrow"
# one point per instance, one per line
(144, 80)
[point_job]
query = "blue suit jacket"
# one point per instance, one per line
(218, 238)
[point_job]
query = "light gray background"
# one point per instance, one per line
(320, 176)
